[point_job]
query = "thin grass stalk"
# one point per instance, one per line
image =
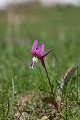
(66, 106)
(77, 84)
(3, 107)
(3, 98)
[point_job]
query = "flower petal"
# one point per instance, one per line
(47, 53)
(34, 47)
(40, 51)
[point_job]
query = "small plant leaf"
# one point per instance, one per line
(63, 83)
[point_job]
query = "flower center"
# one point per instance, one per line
(34, 62)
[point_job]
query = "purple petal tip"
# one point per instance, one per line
(34, 47)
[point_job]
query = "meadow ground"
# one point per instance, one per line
(22, 89)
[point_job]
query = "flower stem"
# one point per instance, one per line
(53, 97)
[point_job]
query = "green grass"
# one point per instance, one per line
(57, 28)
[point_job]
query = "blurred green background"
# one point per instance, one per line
(57, 28)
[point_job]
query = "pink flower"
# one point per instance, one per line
(37, 52)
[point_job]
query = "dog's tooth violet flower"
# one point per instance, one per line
(37, 52)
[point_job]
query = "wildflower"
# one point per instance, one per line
(38, 53)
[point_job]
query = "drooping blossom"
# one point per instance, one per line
(38, 53)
